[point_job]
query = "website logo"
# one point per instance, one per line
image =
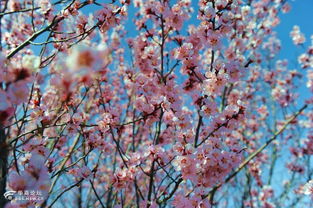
(9, 195)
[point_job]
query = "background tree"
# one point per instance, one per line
(153, 104)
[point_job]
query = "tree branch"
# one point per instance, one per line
(253, 155)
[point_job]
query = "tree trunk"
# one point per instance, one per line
(3, 166)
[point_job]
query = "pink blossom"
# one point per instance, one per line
(20, 182)
(84, 172)
(286, 8)
(18, 92)
(297, 37)
(83, 58)
(307, 189)
(181, 201)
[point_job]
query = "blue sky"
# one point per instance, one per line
(301, 14)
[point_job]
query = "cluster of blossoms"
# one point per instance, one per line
(308, 188)
(207, 165)
(150, 103)
(296, 35)
(16, 78)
